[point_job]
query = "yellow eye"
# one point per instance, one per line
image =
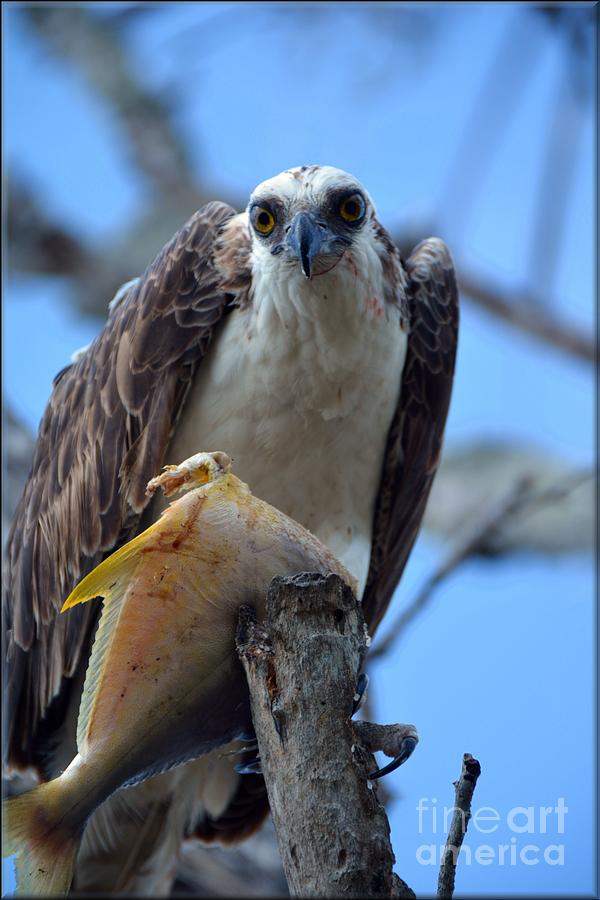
(352, 208)
(264, 221)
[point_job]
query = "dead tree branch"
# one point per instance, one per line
(302, 666)
(556, 517)
(475, 537)
(465, 786)
(40, 244)
(480, 539)
(93, 46)
(526, 314)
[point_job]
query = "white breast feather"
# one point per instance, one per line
(300, 389)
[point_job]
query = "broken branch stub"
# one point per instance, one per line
(464, 788)
(302, 665)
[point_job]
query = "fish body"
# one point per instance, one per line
(164, 683)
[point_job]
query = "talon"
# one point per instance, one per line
(359, 692)
(252, 747)
(406, 748)
(253, 767)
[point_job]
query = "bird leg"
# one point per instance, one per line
(397, 741)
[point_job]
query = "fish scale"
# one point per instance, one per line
(164, 683)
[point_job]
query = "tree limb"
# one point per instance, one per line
(95, 48)
(466, 546)
(302, 666)
(41, 244)
(465, 786)
(556, 517)
(479, 538)
(524, 311)
(526, 314)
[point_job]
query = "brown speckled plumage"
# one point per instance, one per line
(415, 438)
(103, 435)
(105, 432)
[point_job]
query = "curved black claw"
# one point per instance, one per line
(406, 748)
(359, 692)
(252, 767)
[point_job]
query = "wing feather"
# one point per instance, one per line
(102, 437)
(415, 437)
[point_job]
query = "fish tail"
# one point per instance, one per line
(35, 829)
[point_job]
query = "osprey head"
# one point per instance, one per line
(309, 216)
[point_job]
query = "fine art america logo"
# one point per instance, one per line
(526, 845)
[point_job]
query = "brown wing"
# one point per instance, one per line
(415, 437)
(103, 435)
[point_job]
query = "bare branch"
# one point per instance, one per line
(39, 243)
(558, 512)
(558, 170)
(525, 313)
(512, 65)
(302, 666)
(465, 547)
(480, 539)
(521, 310)
(94, 47)
(465, 786)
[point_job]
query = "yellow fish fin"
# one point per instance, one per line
(110, 580)
(108, 577)
(102, 641)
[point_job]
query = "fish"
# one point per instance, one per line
(164, 684)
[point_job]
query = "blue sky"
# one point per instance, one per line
(501, 665)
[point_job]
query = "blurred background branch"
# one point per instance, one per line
(94, 48)
(530, 315)
(556, 518)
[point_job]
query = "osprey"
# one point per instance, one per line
(295, 338)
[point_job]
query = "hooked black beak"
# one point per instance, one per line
(304, 239)
(308, 238)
